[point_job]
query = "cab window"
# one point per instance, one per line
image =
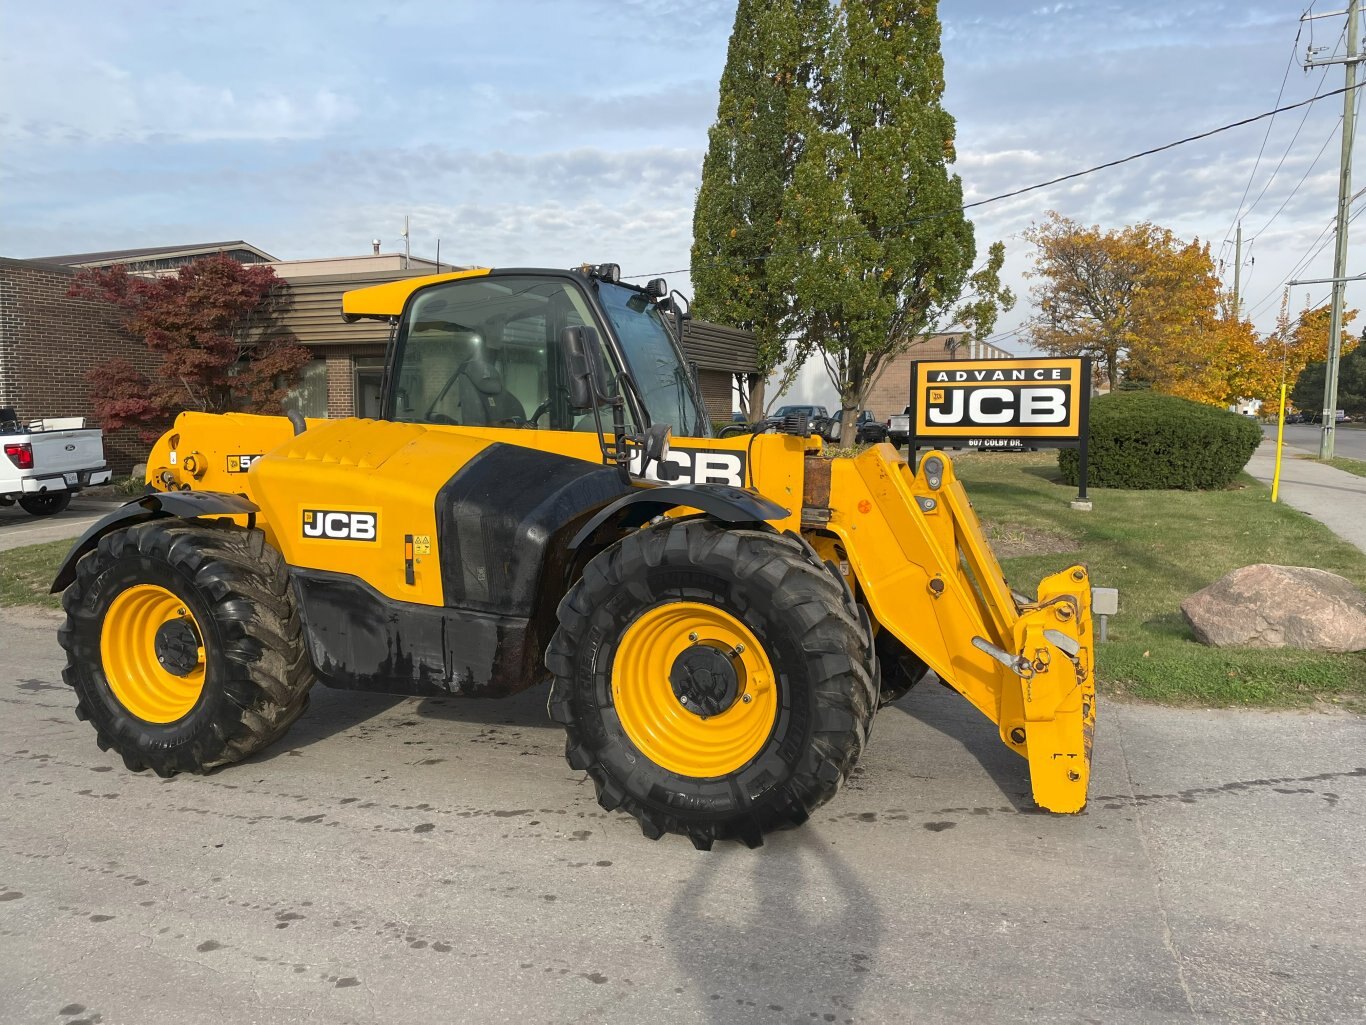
(484, 352)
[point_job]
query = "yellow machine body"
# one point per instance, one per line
(909, 545)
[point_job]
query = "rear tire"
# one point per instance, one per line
(48, 503)
(820, 696)
(230, 590)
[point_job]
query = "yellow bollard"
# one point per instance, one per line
(1280, 439)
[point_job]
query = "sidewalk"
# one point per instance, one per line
(18, 529)
(1335, 498)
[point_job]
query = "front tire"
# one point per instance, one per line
(713, 682)
(47, 503)
(184, 645)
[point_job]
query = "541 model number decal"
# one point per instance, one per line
(242, 463)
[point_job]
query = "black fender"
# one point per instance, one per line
(185, 504)
(719, 501)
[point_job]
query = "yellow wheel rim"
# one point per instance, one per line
(660, 723)
(141, 682)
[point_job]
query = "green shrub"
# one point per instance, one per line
(1143, 440)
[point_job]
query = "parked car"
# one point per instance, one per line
(822, 423)
(899, 428)
(47, 461)
(818, 417)
(869, 430)
(1316, 417)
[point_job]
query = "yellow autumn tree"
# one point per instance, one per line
(1303, 340)
(1146, 305)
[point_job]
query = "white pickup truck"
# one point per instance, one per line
(899, 428)
(46, 461)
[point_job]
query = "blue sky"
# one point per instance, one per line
(557, 132)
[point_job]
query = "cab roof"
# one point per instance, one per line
(387, 300)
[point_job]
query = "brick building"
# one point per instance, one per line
(892, 390)
(48, 342)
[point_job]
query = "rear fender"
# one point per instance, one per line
(719, 501)
(185, 504)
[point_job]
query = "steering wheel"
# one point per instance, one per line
(442, 418)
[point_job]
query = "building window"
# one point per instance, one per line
(309, 395)
(369, 381)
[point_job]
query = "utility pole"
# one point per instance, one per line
(1330, 380)
(1237, 270)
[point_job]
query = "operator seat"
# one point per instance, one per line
(484, 402)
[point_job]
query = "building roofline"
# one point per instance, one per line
(154, 252)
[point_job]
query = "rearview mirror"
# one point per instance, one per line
(584, 373)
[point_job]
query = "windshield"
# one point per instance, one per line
(654, 361)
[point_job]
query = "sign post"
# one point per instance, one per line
(1004, 405)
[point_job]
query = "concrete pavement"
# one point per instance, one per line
(1334, 497)
(18, 528)
(404, 860)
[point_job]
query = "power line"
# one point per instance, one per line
(1050, 182)
(1280, 163)
(1162, 149)
(1298, 128)
(1294, 48)
(1305, 177)
(1317, 246)
(1337, 125)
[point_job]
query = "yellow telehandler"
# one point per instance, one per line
(542, 498)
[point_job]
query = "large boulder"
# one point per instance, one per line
(1267, 606)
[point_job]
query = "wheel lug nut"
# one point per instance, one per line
(745, 698)
(692, 637)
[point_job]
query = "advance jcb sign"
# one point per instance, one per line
(1000, 403)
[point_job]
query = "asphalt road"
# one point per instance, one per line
(1349, 442)
(18, 528)
(397, 860)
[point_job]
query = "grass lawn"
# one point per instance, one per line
(1158, 547)
(26, 574)
(1356, 466)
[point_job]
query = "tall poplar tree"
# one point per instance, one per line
(752, 150)
(872, 240)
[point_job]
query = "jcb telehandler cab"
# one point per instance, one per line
(719, 619)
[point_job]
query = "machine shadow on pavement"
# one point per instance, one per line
(932, 704)
(757, 921)
(332, 712)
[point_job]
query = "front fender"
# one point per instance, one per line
(185, 504)
(720, 501)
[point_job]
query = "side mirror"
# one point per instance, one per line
(584, 372)
(656, 443)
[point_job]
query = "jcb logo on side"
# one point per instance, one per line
(696, 466)
(242, 463)
(340, 526)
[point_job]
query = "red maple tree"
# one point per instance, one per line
(215, 324)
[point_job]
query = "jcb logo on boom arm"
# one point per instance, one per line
(336, 525)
